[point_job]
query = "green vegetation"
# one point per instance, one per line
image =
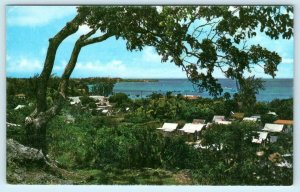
(111, 149)
(126, 148)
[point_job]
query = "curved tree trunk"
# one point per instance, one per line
(36, 123)
(70, 28)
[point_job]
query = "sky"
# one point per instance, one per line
(28, 29)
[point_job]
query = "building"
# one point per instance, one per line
(191, 97)
(20, 96)
(288, 124)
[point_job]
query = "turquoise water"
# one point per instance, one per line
(274, 88)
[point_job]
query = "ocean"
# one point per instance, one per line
(274, 88)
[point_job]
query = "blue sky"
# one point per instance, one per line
(28, 29)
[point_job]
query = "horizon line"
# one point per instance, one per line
(147, 78)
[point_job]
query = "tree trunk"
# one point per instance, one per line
(70, 28)
(36, 123)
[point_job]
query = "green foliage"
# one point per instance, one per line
(109, 143)
(231, 158)
(17, 117)
(155, 96)
(86, 100)
(176, 32)
(283, 108)
(260, 108)
(268, 118)
(104, 88)
(199, 39)
(227, 96)
(120, 146)
(249, 88)
(120, 100)
(178, 108)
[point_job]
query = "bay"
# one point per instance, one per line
(274, 88)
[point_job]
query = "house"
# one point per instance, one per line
(258, 117)
(223, 122)
(262, 136)
(274, 128)
(198, 121)
(288, 124)
(272, 113)
(20, 96)
(168, 127)
(74, 100)
(283, 122)
(19, 107)
(192, 128)
(220, 120)
(217, 118)
(101, 101)
(253, 119)
(12, 125)
(192, 97)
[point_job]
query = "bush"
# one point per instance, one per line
(283, 108)
(120, 99)
(268, 118)
(85, 100)
(138, 146)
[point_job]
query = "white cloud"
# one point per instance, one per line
(24, 66)
(84, 29)
(117, 68)
(149, 55)
(287, 61)
(97, 68)
(36, 15)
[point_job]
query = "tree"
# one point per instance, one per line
(120, 99)
(104, 88)
(115, 21)
(198, 39)
(203, 39)
(249, 87)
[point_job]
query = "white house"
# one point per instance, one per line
(168, 127)
(192, 128)
(275, 128)
(261, 137)
(217, 118)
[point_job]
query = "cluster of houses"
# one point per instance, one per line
(102, 103)
(268, 133)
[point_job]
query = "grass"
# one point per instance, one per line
(146, 176)
(20, 174)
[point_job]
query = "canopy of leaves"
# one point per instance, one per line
(200, 39)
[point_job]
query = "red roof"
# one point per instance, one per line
(284, 122)
(191, 97)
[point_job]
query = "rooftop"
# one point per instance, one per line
(283, 122)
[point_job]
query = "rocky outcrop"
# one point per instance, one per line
(20, 153)
(28, 165)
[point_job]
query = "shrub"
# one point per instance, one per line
(85, 100)
(120, 100)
